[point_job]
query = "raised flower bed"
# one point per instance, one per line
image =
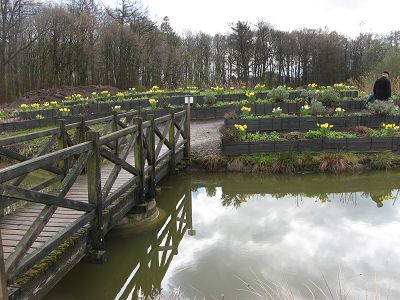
(361, 144)
(300, 123)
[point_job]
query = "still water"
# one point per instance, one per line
(237, 236)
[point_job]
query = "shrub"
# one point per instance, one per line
(383, 108)
(329, 95)
(210, 99)
(317, 108)
(229, 134)
(308, 95)
(279, 94)
(362, 131)
(294, 136)
(231, 115)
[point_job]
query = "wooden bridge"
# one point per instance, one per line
(75, 183)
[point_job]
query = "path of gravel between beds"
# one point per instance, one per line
(205, 137)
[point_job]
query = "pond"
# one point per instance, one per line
(240, 236)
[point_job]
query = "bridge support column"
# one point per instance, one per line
(97, 253)
(3, 275)
(151, 148)
(139, 161)
(171, 139)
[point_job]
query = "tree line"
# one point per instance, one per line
(81, 43)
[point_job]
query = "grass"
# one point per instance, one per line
(291, 163)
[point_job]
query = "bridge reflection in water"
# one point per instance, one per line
(153, 262)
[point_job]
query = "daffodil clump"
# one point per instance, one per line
(192, 88)
(242, 130)
(343, 87)
(218, 90)
(117, 108)
(24, 107)
(120, 96)
(390, 129)
(75, 98)
(259, 87)
(105, 94)
(245, 112)
(153, 103)
(312, 86)
(132, 90)
(64, 111)
(325, 129)
(277, 112)
(339, 112)
(39, 117)
(305, 110)
(251, 96)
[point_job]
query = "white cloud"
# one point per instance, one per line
(212, 16)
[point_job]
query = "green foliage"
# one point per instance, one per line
(263, 136)
(210, 99)
(316, 108)
(316, 134)
(383, 108)
(329, 95)
(279, 94)
(229, 134)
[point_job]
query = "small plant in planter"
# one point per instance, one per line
(34, 106)
(308, 95)
(117, 108)
(305, 110)
(390, 129)
(323, 131)
(329, 95)
(251, 96)
(317, 108)
(218, 90)
(259, 87)
(339, 112)
(24, 107)
(279, 94)
(105, 94)
(64, 111)
(383, 108)
(246, 112)
(312, 86)
(54, 103)
(153, 103)
(277, 112)
(210, 99)
(39, 117)
(242, 130)
(120, 96)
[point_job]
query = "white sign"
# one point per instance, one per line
(188, 100)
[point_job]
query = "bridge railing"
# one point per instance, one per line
(51, 193)
(42, 142)
(129, 158)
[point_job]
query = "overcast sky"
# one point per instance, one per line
(345, 16)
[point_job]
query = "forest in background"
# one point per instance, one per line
(78, 42)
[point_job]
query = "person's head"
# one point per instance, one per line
(385, 73)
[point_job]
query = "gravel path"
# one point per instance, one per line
(205, 137)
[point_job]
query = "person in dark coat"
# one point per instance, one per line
(382, 88)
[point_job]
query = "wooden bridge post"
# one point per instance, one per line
(95, 197)
(62, 143)
(152, 148)
(3, 275)
(114, 129)
(139, 160)
(187, 133)
(82, 130)
(171, 139)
